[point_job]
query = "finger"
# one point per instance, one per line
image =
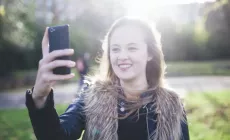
(55, 77)
(52, 83)
(59, 63)
(58, 53)
(45, 43)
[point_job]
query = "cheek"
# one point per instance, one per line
(113, 59)
(140, 58)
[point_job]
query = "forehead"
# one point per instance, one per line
(127, 34)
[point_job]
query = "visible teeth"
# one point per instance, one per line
(124, 66)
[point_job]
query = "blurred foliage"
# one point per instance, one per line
(207, 38)
(21, 32)
(17, 37)
(183, 42)
(2, 10)
(198, 68)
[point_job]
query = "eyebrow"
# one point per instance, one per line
(115, 45)
(129, 44)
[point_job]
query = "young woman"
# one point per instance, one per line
(127, 100)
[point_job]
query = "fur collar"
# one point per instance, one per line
(102, 113)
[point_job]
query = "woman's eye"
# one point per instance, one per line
(132, 48)
(115, 49)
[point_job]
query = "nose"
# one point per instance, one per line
(123, 55)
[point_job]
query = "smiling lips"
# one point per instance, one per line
(124, 66)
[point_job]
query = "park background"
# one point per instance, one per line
(195, 35)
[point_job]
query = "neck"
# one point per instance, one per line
(133, 88)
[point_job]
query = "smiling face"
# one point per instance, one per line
(128, 53)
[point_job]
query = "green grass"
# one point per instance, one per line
(15, 124)
(192, 68)
(208, 116)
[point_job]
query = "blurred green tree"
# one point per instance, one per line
(16, 25)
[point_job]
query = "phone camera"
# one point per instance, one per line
(52, 30)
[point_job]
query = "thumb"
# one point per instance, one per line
(45, 43)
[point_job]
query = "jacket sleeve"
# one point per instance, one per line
(185, 130)
(47, 125)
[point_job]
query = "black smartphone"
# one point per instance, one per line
(58, 40)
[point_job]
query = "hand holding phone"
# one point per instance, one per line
(45, 77)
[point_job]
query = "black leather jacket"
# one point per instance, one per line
(48, 125)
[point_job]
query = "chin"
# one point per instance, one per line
(125, 78)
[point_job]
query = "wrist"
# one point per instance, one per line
(37, 97)
(39, 101)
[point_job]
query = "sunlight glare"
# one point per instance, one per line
(142, 8)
